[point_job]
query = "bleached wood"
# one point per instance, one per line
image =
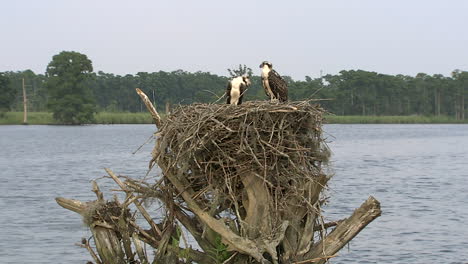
(150, 107)
(345, 231)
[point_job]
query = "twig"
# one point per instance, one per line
(85, 244)
(231, 257)
(146, 142)
(219, 97)
(315, 259)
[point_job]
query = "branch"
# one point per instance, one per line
(142, 210)
(193, 254)
(150, 106)
(139, 249)
(328, 225)
(315, 259)
(98, 192)
(184, 219)
(85, 244)
(346, 230)
(73, 205)
(241, 244)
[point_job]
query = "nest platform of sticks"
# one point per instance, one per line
(245, 181)
(259, 164)
(222, 148)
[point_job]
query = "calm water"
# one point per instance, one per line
(417, 172)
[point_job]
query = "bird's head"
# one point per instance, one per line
(246, 80)
(266, 63)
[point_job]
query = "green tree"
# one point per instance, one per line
(36, 93)
(242, 70)
(461, 88)
(7, 93)
(70, 98)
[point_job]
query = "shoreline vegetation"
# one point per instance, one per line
(45, 118)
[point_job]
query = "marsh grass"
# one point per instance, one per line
(45, 118)
(413, 119)
(123, 118)
(34, 118)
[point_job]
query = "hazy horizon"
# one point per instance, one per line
(300, 39)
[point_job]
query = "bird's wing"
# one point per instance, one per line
(265, 88)
(228, 92)
(242, 90)
(278, 86)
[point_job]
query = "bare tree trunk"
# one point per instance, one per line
(25, 106)
(257, 206)
(168, 108)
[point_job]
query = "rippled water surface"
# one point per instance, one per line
(418, 173)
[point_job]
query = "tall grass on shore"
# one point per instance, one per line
(45, 118)
(413, 119)
(34, 118)
(123, 118)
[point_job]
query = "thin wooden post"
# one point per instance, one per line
(25, 106)
(168, 108)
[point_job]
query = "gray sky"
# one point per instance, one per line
(299, 37)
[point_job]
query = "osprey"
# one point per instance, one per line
(275, 86)
(236, 88)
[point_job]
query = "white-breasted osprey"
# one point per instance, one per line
(275, 86)
(236, 88)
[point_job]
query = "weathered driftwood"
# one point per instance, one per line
(245, 181)
(110, 245)
(346, 230)
(150, 107)
(105, 236)
(114, 231)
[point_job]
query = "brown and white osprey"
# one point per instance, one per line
(275, 86)
(236, 88)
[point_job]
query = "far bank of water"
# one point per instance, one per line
(45, 118)
(412, 119)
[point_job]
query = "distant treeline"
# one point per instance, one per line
(354, 92)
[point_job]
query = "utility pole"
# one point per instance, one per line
(25, 106)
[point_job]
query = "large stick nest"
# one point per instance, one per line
(213, 146)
